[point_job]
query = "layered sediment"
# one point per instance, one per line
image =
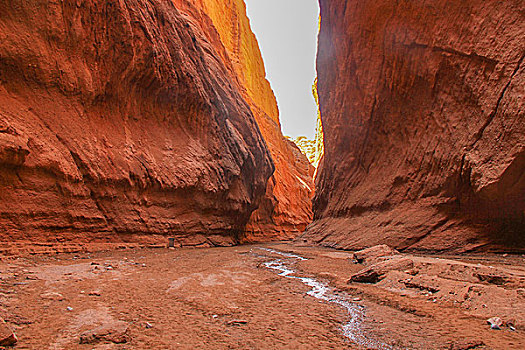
(285, 210)
(424, 125)
(128, 122)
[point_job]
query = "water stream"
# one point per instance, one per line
(353, 329)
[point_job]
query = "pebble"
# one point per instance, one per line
(495, 322)
(237, 322)
(69, 308)
(149, 325)
(52, 296)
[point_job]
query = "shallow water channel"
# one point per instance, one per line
(353, 329)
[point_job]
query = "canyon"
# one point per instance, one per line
(149, 199)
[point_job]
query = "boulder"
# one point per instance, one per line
(374, 253)
(377, 271)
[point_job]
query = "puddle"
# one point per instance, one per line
(353, 329)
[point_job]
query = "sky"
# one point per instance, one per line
(287, 35)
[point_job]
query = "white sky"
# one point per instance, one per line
(287, 35)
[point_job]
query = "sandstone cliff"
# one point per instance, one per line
(424, 126)
(286, 208)
(124, 121)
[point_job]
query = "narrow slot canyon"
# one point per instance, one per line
(238, 174)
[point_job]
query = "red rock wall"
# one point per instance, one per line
(286, 208)
(122, 120)
(424, 125)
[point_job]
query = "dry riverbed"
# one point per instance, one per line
(276, 296)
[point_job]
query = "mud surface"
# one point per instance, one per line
(249, 297)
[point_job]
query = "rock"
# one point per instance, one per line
(149, 325)
(52, 296)
(183, 120)
(466, 345)
(495, 323)
(492, 278)
(421, 285)
(372, 254)
(308, 148)
(116, 332)
(237, 322)
(286, 207)
(422, 112)
(69, 308)
(149, 134)
(376, 272)
(95, 293)
(7, 336)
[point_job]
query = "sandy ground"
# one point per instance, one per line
(227, 298)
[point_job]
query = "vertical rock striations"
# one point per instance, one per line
(129, 121)
(424, 125)
(286, 208)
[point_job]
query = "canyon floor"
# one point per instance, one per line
(272, 296)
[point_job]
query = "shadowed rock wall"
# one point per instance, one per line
(286, 209)
(424, 127)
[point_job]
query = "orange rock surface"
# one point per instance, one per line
(424, 127)
(286, 209)
(132, 121)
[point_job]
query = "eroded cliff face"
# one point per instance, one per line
(285, 211)
(123, 121)
(424, 126)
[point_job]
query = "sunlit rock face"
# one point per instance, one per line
(424, 126)
(285, 211)
(312, 149)
(126, 121)
(319, 135)
(307, 147)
